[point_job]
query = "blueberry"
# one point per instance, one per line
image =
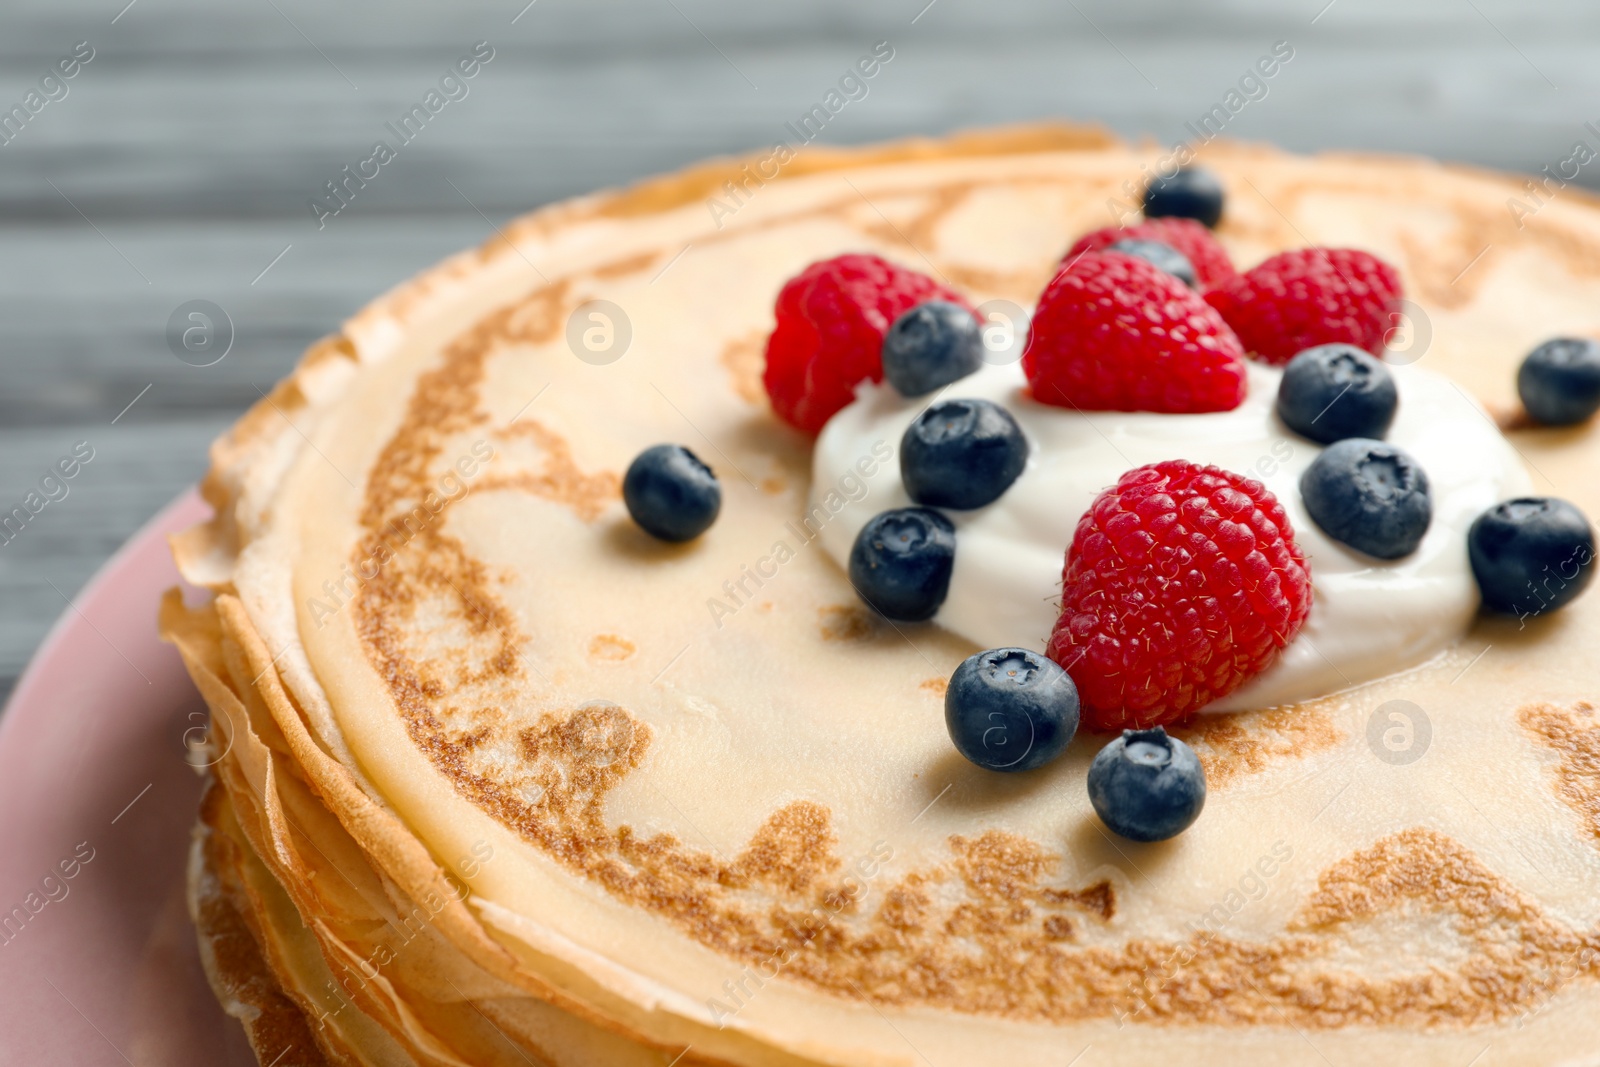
(671, 494)
(1531, 555)
(1161, 254)
(1331, 392)
(1009, 709)
(901, 562)
(1368, 495)
(962, 454)
(1192, 193)
(1560, 381)
(1147, 786)
(931, 346)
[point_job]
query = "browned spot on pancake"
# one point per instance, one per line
(918, 234)
(982, 928)
(445, 403)
(847, 622)
(610, 647)
(745, 358)
(773, 485)
(537, 320)
(1517, 958)
(1414, 864)
(631, 265)
(1004, 866)
(936, 686)
(907, 906)
(999, 866)
(1574, 735)
(561, 479)
(1000, 948)
(471, 739)
(1099, 899)
(1247, 742)
(791, 851)
(597, 743)
(1059, 928)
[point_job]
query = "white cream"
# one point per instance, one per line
(1368, 617)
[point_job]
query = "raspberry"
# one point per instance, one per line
(1212, 266)
(1114, 333)
(1182, 582)
(831, 320)
(1311, 296)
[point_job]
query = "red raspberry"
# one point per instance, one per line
(1311, 296)
(1182, 582)
(1212, 267)
(831, 320)
(1114, 333)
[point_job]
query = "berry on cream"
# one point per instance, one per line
(1368, 617)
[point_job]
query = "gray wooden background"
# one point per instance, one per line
(179, 164)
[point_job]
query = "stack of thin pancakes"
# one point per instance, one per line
(495, 783)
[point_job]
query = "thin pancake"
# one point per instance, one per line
(742, 831)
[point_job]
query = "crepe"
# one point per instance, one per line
(482, 742)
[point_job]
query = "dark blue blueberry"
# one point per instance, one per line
(1161, 254)
(1192, 193)
(1531, 555)
(962, 454)
(901, 561)
(1147, 786)
(930, 346)
(1331, 392)
(1560, 381)
(1009, 709)
(1368, 495)
(671, 494)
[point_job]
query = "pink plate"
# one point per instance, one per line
(101, 967)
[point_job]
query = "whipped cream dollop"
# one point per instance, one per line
(1368, 617)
